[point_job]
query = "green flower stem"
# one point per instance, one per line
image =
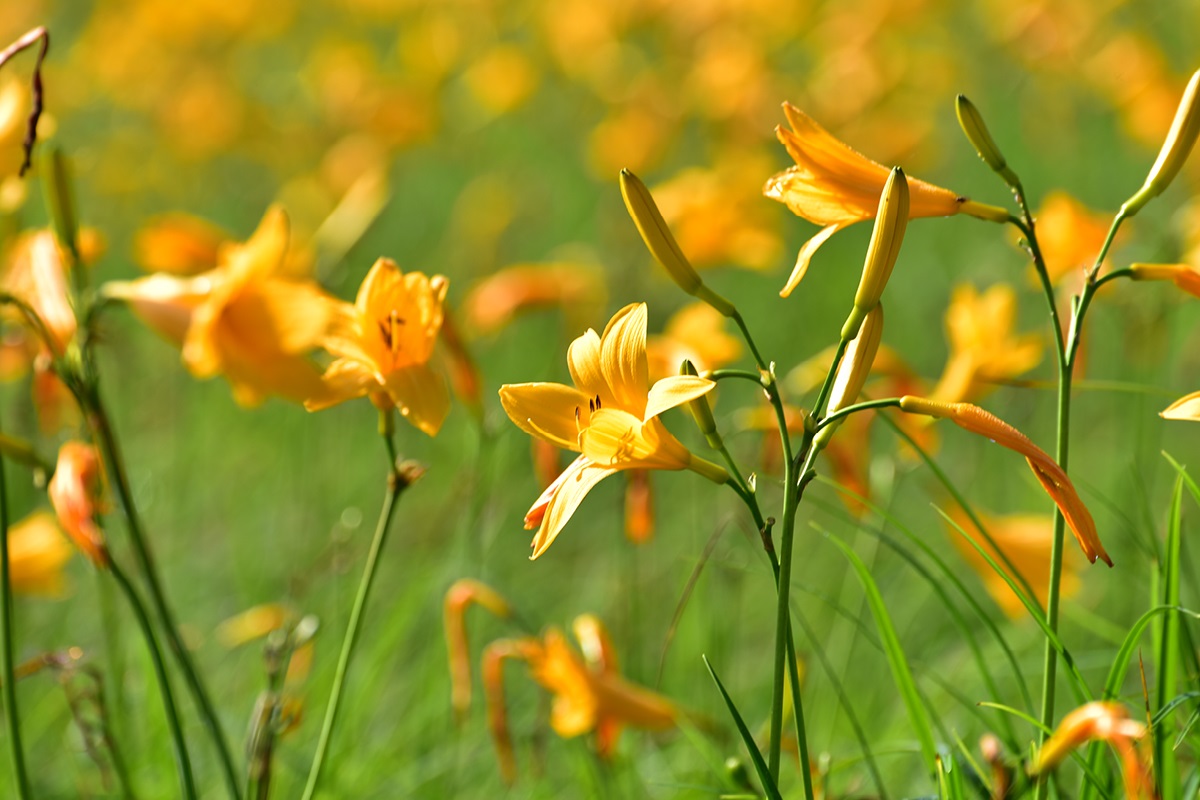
(11, 717)
(1104, 248)
(398, 481)
(726, 374)
(182, 762)
(819, 407)
(866, 405)
(102, 428)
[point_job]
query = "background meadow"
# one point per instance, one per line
(465, 136)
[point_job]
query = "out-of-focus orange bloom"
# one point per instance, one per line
(639, 506)
(1049, 474)
(35, 271)
(835, 186)
(1070, 235)
(501, 79)
(1101, 722)
(983, 348)
(1182, 275)
(243, 318)
(1025, 539)
(588, 698)
(179, 244)
(495, 301)
(695, 332)
(633, 136)
(463, 593)
(37, 552)
(610, 416)
(716, 220)
(383, 344)
(76, 492)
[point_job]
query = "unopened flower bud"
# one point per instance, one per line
(1181, 275)
(853, 371)
(701, 411)
(977, 133)
(662, 245)
(890, 223)
(1175, 150)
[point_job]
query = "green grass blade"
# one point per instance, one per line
(1166, 767)
(760, 764)
(895, 655)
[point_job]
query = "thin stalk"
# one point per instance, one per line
(11, 717)
(182, 761)
(102, 428)
(397, 483)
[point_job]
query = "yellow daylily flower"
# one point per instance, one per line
(246, 318)
(383, 344)
(1069, 234)
(835, 186)
(590, 696)
(610, 417)
(1025, 539)
(1101, 721)
(37, 552)
(983, 347)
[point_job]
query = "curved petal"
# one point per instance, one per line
(807, 251)
(623, 358)
(549, 411)
(1186, 407)
(421, 396)
(675, 391)
(583, 361)
(294, 315)
(572, 486)
(621, 440)
(343, 379)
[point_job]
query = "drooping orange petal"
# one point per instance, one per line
(572, 486)
(804, 257)
(460, 595)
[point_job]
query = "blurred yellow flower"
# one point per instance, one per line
(37, 552)
(610, 417)
(245, 317)
(588, 698)
(835, 186)
(178, 243)
(501, 79)
(1101, 722)
(695, 332)
(1025, 539)
(1070, 235)
(383, 343)
(76, 492)
(983, 348)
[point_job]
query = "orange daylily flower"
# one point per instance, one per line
(983, 348)
(835, 186)
(383, 344)
(1103, 722)
(245, 317)
(37, 552)
(609, 416)
(35, 271)
(1049, 474)
(1025, 539)
(589, 697)
(462, 594)
(493, 302)
(1069, 234)
(695, 332)
(76, 492)
(180, 244)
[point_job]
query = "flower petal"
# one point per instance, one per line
(623, 358)
(343, 379)
(675, 391)
(574, 484)
(421, 396)
(621, 440)
(549, 411)
(583, 361)
(805, 256)
(1186, 407)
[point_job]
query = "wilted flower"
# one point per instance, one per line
(462, 594)
(383, 344)
(245, 318)
(610, 417)
(76, 492)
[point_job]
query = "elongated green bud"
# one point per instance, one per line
(701, 411)
(662, 244)
(891, 220)
(1175, 150)
(853, 371)
(977, 133)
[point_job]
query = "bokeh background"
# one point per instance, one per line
(460, 137)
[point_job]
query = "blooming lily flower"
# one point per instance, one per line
(835, 186)
(609, 417)
(383, 344)
(589, 697)
(1103, 722)
(244, 318)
